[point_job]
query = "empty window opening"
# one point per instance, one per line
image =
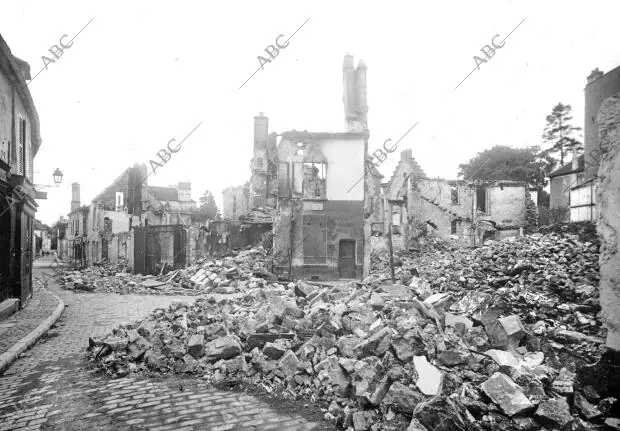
(454, 227)
(454, 194)
(314, 180)
(481, 199)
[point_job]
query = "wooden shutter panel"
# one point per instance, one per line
(20, 148)
(30, 168)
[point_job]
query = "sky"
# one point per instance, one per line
(144, 72)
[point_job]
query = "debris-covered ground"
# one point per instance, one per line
(503, 337)
(207, 276)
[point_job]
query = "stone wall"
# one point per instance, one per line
(507, 205)
(235, 202)
(608, 198)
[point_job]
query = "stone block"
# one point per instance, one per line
(506, 394)
(195, 346)
(554, 413)
(506, 332)
(222, 348)
(429, 378)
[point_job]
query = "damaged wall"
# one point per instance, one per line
(599, 87)
(608, 198)
(236, 200)
(447, 204)
(506, 204)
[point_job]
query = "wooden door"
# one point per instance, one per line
(139, 255)
(346, 258)
(26, 257)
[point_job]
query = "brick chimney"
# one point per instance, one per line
(75, 196)
(258, 181)
(261, 127)
(575, 161)
(348, 88)
(354, 95)
(360, 82)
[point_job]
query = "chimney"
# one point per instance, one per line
(261, 127)
(594, 75)
(348, 88)
(575, 161)
(360, 81)
(75, 196)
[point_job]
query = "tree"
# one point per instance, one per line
(559, 133)
(208, 207)
(507, 163)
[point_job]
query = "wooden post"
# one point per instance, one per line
(391, 251)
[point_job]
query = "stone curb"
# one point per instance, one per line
(8, 357)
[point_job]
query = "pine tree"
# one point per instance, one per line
(559, 133)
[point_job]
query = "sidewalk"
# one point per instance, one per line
(21, 330)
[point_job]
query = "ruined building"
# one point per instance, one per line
(103, 229)
(319, 227)
(573, 186)
(467, 212)
(309, 179)
(261, 190)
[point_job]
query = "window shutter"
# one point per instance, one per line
(20, 148)
(30, 169)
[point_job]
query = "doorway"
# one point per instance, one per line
(346, 258)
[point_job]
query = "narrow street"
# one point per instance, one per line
(248, 216)
(51, 387)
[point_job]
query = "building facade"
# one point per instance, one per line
(19, 142)
(573, 186)
(319, 224)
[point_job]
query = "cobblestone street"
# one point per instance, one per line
(50, 386)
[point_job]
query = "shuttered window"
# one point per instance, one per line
(21, 139)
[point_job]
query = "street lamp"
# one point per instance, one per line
(57, 180)
(57, 176)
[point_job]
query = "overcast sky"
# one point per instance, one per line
(144, 72)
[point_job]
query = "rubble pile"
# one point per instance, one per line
(207, 276)
(586, 230)
(499, 342)
(104, 279)
(257, 215)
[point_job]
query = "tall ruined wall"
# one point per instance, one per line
(507, 205)
(236, 201)
(608, 198)
(599, 87)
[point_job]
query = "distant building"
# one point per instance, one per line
(100, 231)
(468, 212)
(573, 186)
